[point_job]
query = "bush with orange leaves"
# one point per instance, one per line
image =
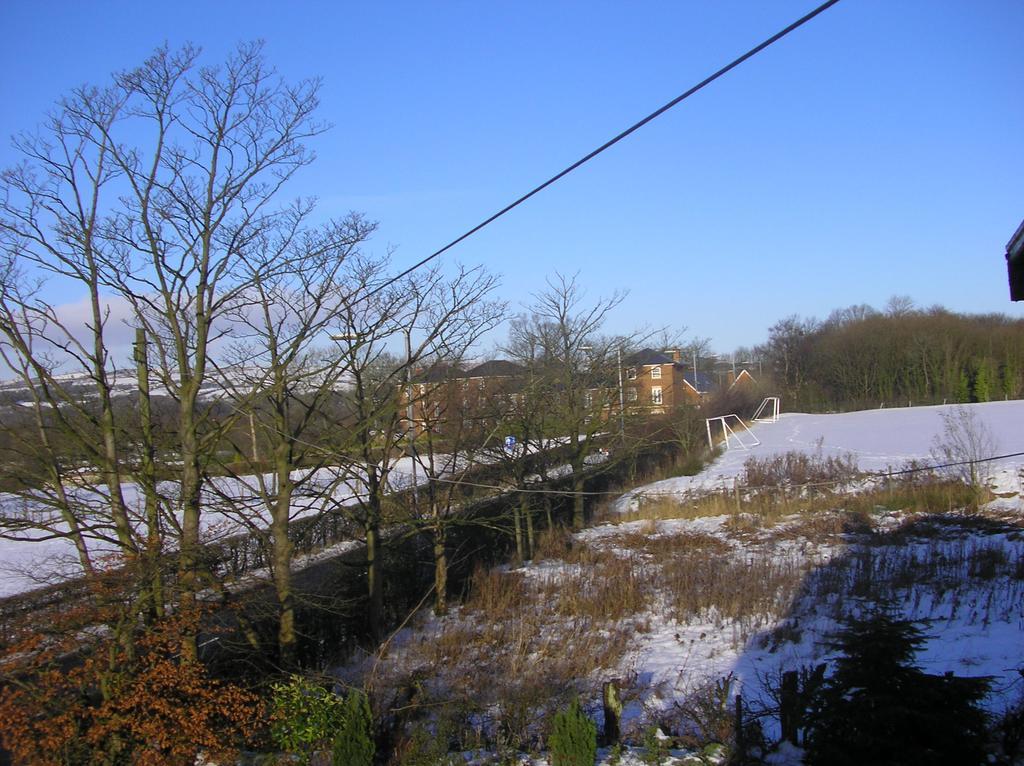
(70, 697)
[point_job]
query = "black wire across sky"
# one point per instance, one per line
(610, 143)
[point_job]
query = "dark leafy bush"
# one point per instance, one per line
(304, 716)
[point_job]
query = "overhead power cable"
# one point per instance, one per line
(608, 144)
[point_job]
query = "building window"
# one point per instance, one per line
(656, 373)
(631, 373)
(630, 394)
(588, 399)
(655, 394)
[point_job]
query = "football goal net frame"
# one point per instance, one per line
(768, 412)
(735, 434)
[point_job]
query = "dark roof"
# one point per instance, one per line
(648, 356)
(437, 373)
(494, 368)
(704, 382)
(1015, 263)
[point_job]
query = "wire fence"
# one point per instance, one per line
(245, 553)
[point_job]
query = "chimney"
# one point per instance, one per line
(677, 356)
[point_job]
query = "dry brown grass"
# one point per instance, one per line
(824, 525)
(649, 541)
(750, 592)
(767, 507)
(664, 507)
(610, 588)
(553, 543)
(523, 644)
(799, 469)
(526, 640)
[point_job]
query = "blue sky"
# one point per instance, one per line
(879, 150)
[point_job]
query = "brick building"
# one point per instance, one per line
(446, 400)
(659, 381)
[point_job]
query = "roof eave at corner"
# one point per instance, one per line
(1015, 263)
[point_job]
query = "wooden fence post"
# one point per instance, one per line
(612, 712)
(741, 745)
(789, 713)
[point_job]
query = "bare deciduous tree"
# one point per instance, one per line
(144, 197)
(434, 317)
(965, 447)
(280, 381)
(563, 330)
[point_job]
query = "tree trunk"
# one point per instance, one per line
(283, 549)
(147, 470)
(612, 712)
(789, 708)
(517, 523)
(63, 501)
(578, 510)
(530, 537)
(109, 462)
(188, 566)
(374, 579)
(440, 571)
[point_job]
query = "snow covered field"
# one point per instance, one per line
(962, 577)
(976, 624)
(879, 440)
(39, 559)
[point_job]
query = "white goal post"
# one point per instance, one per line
(768, 412)
(738, 437)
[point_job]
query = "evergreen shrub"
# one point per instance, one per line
(878, 708)
(573, 738)
(353, 742)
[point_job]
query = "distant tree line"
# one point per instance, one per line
(860, 357)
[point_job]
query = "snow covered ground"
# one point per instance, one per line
(879, 441)
(39, 558)
(975, 624)
(964, 582)
(962, 578)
